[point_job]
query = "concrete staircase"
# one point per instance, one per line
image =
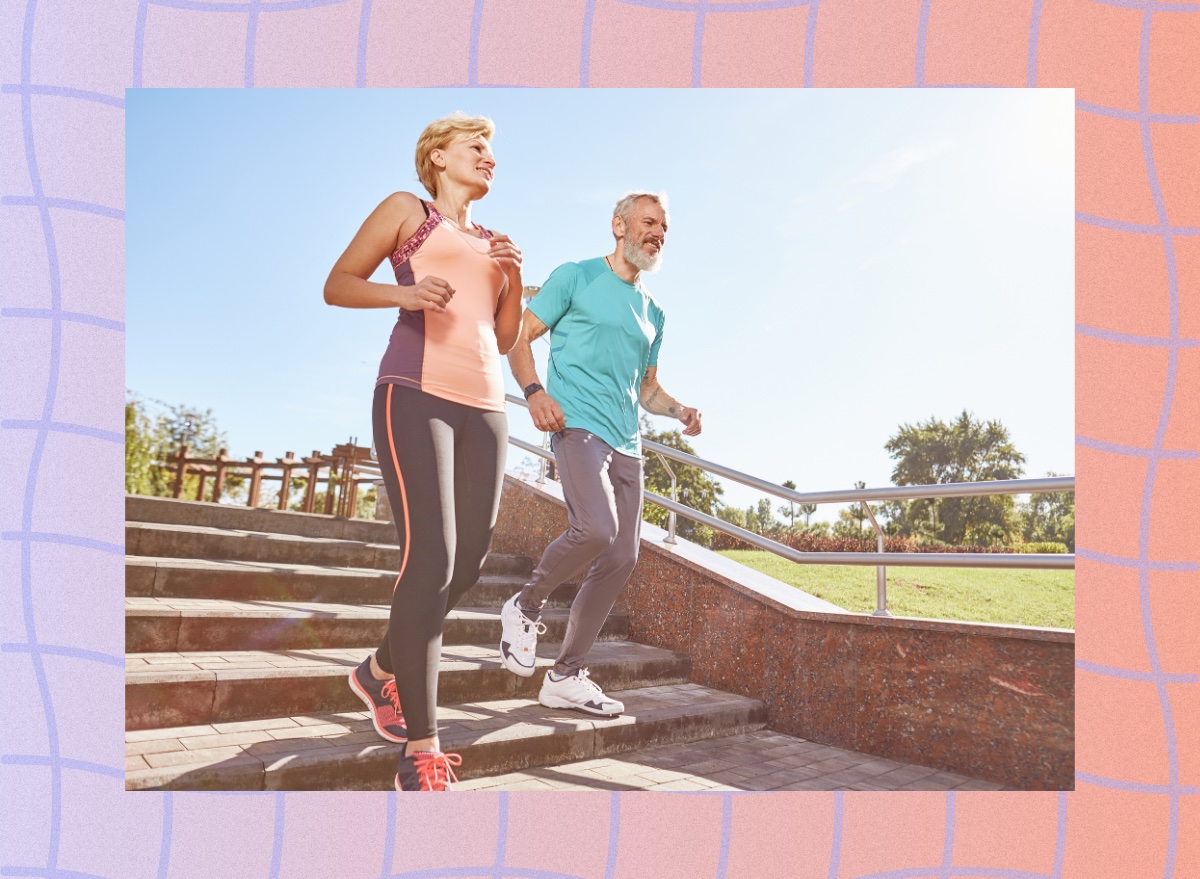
(242, 625)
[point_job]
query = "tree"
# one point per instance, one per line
(1050, 517)
(964, 450)
(789, 509)
(694, 487)
(732, 515)
(807, 510)
(152, 436)
(766, 517)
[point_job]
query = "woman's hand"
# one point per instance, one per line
(505, 252)
(429, 293)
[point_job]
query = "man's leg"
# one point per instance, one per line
(583, 466)
(611, 569)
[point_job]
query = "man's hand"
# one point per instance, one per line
(546, 413)
(691, 420)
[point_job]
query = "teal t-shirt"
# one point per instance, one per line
(604, 334)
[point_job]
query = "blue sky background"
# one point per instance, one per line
(838, 262)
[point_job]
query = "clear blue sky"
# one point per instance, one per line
(839, 262)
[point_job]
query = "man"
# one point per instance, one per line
(606, 330)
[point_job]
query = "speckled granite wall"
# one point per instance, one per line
(989, 701)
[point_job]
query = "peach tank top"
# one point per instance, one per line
(453, 355)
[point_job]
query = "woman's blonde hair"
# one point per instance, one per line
(439, 134)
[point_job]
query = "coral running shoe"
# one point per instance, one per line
(383, 701)
(518, 642)
(426, 770)
(577, 691)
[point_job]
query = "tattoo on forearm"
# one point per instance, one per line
(650, 400)
(671, 410)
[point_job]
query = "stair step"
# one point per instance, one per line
(177, 689)
(204, 542)
(267, 581)
(190, 624)
(341, 751)
(168, 511)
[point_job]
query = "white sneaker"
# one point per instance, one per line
(578, 691)
(518, 642)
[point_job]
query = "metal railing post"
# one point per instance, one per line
(880, 570)
(541, 480)
(670, 538)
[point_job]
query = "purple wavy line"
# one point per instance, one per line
(614, 835)
(1137, 787)
(251, 44)
(250, 6)
(63, 427)
(922, 31)
(38, 201)
(49, 873)
(1139, 228)
(364, 31)
(277, 843)
(585, 45)
(139, 41)
(1136, 115)
(921, 872)
(1149, 5)
(75, 765)
(1160, 433)
(70, 652)
(1035, 29)
(389, 834)
(68, 316)
(835, 848)
(456, 872)
(696, 5)
(1121, 561)
(28, 537)
(473, 46)
(810, 42)
(1136, 451)
(168, 828)
(1060, 837)
(698, 43)
(726, 834)
(1130, 339)
(501, 834)
(39, 444)
(948, 837)
(1128, 674)
(58, 91)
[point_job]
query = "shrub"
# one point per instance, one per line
(1043, 546)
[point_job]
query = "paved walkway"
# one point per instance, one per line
(756, 761)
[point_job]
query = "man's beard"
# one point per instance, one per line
(639, 259)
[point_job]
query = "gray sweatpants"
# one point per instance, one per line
(603, 491)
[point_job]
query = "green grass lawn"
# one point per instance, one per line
(1014, 597)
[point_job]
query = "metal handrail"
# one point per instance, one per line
(879, 560)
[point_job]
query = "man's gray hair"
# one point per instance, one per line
(625, 205)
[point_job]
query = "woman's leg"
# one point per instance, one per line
(414, 441)
(479, 456)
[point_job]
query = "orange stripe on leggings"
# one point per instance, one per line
(403, 494)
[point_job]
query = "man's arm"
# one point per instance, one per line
(657, 401)
(544, 409)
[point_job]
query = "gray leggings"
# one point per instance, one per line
(443, 464)
(603, 491)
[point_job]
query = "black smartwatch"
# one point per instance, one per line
(532, 389)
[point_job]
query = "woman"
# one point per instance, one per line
(439, 423)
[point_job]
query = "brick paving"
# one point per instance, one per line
(754, 761)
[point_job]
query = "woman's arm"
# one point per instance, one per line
(508, 311)
(397, 217)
